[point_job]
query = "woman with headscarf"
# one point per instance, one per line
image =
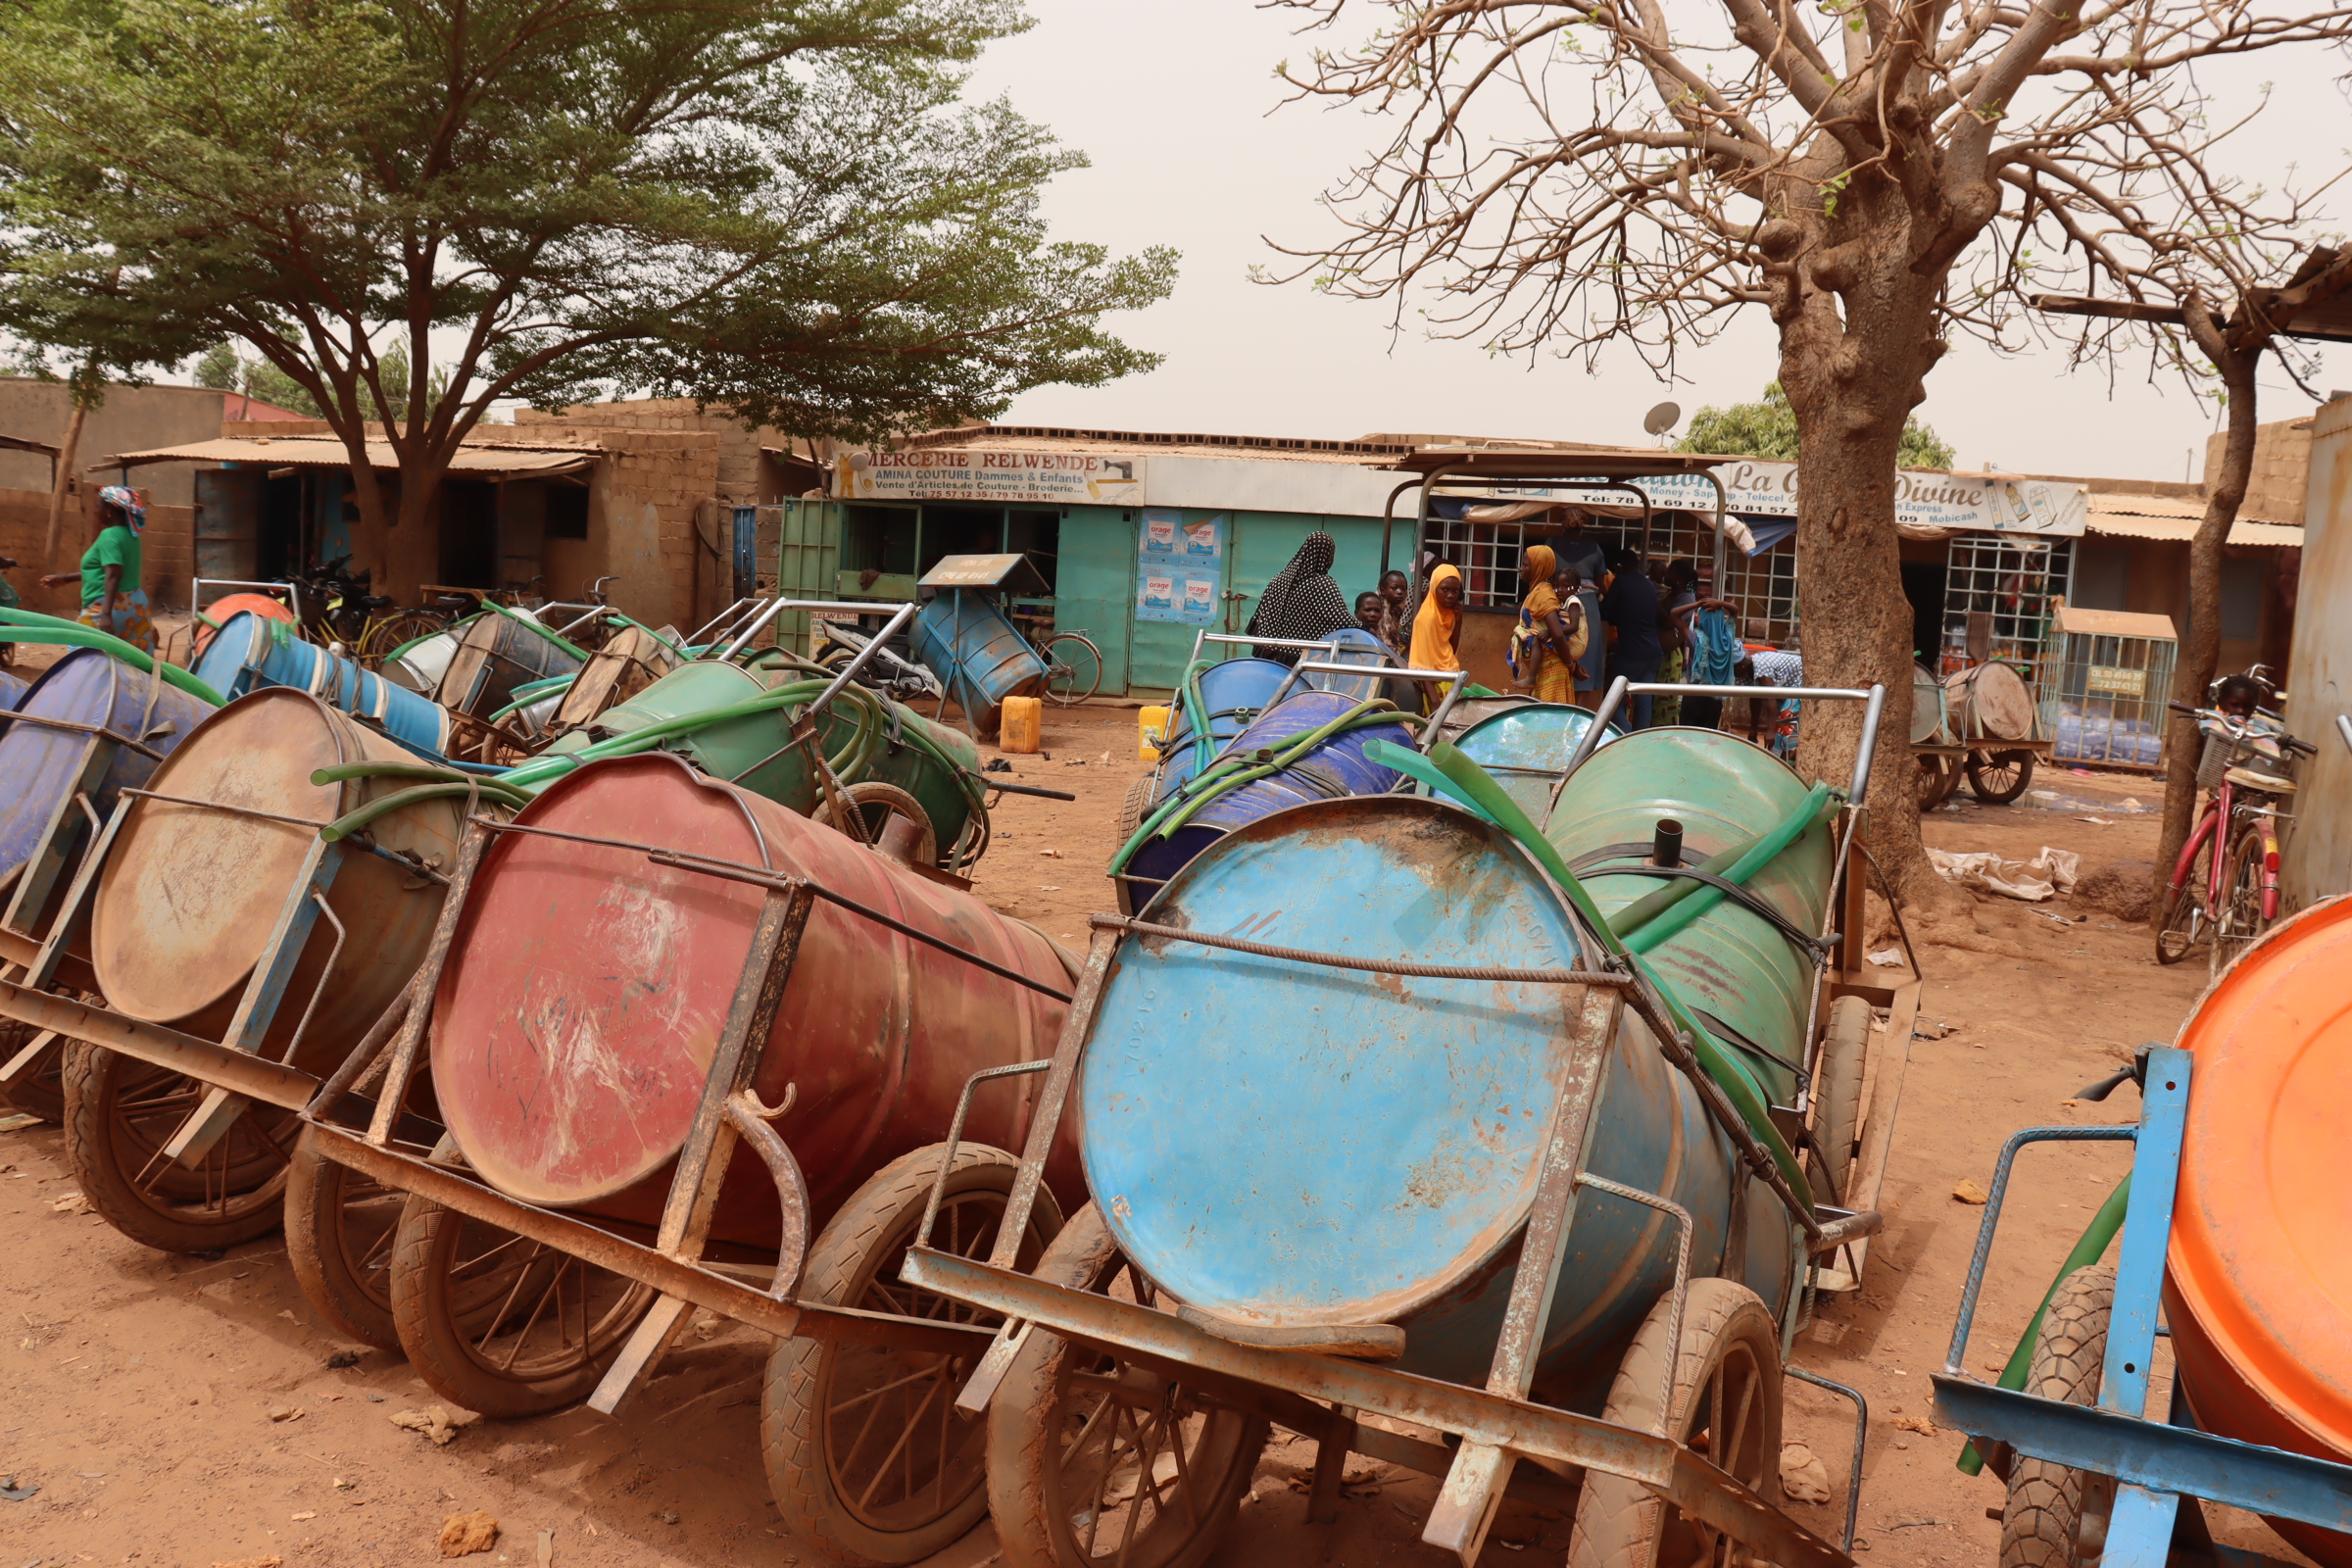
(112, 600)
(1437, 625)
(1303, 601)
(1552, 630)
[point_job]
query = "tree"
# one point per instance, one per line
(221, 368)
(1565, 173)
(1768, 430)
(784, 209)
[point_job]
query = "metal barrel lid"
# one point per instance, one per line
(1284, 1143)
(2259, 1276)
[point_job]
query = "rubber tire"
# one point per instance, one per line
(1085, 651)
(87, 1078)
(1990, 794)
(425, 1322)
(316, 1247)
(1838, 1097)
(2185, 906)
(1132, 812)
(1931, 785)
(42, 1091)
(1619, 1522)
(2229, 938)
(2041, 1522)
(1082, 1256)
(879, 1218)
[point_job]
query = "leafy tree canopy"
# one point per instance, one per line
(785, 209)
(1768, 430)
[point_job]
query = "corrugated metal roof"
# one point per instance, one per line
(535, 461)
(2135, 526)
(2114, 622)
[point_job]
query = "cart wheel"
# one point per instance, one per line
(1727, 1386)
(2238, 920)
(866, 1457)
(2185, 922)
(1094, 1461)
(1999, 777)
(1930, 786)
(40, 1090)
(340, 1230)
(2057, 1517)
(502, 1325)
(119, 1113)
(1838, 1092)
(1073, 668)
(875, 804)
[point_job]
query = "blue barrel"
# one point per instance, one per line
(1232, 693)
(1374, 1158)
(12, 690)
(1525, 746)
(980, 656)
(250, 652)
(1357, 646)
(41, 764)
(1731, 963)
(1337, 767)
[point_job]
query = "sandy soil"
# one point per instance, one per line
(148, 1396)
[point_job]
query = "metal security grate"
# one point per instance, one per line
(2009, 580)
(2103, 695)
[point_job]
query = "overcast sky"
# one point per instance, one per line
(1172, 101)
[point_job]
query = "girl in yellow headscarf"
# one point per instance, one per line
(1551, 634)
(1437, 628)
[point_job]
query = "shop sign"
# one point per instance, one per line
(1017, 478)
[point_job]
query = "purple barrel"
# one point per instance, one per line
(1336, 768)
(12, 690)
(40, 764)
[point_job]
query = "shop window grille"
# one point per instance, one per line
(2012, 582)
(2105, 676)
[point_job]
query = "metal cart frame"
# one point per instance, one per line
(2157, 1463)
(1498, 1425)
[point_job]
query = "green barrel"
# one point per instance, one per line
(743, 751)
(1730, 963)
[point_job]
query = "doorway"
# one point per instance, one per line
(1923, 586)
(469, 533)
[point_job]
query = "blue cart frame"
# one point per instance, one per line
(2155, 1463)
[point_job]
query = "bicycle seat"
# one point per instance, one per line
(378, 602)
(2267, 783)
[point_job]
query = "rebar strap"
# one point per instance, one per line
(82, 728)
(1334, 960)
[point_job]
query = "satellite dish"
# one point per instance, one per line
(1662, 419)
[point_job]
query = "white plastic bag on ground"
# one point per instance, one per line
(2048, 873)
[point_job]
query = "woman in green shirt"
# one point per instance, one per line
(111, 599)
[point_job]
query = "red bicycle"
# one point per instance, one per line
(2224, 886)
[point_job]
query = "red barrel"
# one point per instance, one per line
(2258, 1280)
(584, 995)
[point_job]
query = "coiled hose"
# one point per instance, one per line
(31, 626)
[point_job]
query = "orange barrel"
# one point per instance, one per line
(267, 606)
(2258, 1282)
(189, 896)
(586, 988)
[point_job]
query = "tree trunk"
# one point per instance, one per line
(62, 483)
(2201, 644)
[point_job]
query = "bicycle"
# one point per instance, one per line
(1074, 663)
(2223, 887)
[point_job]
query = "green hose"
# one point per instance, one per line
(1649, 906)
(1446, 769)
(1233, 770)
(533, 622)
(422, 772)
(1670, 923)
(352, 822)
(2089, 1251)
(536, 774)
(31, 626)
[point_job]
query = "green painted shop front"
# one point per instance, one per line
(1091, 556)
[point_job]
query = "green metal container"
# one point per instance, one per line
(743, 751)
(1730, 963)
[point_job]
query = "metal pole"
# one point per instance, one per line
(1589, 741)
(1868, 745)
(1388, 524)
(873, 646)
(759, 625)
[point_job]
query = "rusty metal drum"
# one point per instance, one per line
(586, 988)
(191, 895)
(498, 652)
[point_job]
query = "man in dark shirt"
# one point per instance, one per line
(1632, 607)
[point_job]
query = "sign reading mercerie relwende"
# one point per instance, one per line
(950, 473)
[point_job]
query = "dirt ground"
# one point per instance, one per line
(177, 1412)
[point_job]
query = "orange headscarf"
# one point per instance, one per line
(1433, 627)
